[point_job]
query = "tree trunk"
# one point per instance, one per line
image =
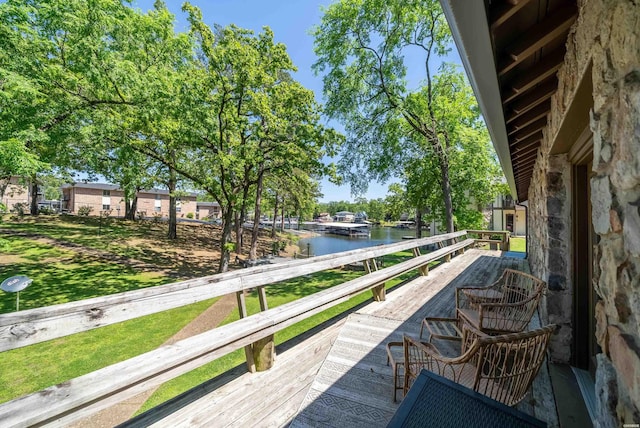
(282, 217)
(172, 233)
(418, 222)
(238, 230)
(225, 239)
(446, 190)
(34, 195)
(130, 207)
(275, 214)
(253, 251)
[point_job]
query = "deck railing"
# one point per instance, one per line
(87, 394)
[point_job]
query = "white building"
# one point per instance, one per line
(506, 215)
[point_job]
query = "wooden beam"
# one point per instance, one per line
(554, 25)
(525, 158)
(545, 69)
(526, 143)
(264, 354)
(534, 97)
(248, 349)
(529, 130)
(525, 168)
(524, 165)
(519, 121)
(525, 153)
(262, 297)
(506, 11)
(524, 147)
(525, 176)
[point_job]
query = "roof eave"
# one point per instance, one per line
(470, 32)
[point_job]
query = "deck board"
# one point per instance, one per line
(339, 377)
(344, 393)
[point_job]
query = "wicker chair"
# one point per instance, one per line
(500, 367)
(505, 306)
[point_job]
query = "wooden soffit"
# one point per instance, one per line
(527, 39)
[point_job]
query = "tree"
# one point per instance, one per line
(362, 45)
(396, 201)
(237, 117)
(68, 66)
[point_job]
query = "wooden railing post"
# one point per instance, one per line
(264, 349)
(424, 270)
(505, 245)
(447, 258)
(248, 350)
(379, 293)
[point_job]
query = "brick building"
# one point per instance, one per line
(104, 197)
(15, 192)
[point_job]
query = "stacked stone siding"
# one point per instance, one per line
(607, 36)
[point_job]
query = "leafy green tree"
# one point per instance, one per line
(396, 202)
(238, 118)
(432, 137)
(376, 209)
(362, 46)
(62, 60)
(70, 68)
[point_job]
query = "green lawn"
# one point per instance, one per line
(518, 244)
(62, 275)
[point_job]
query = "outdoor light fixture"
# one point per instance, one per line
(16, 284)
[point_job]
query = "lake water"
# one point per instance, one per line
(329, 244)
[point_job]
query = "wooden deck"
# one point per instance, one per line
(339, 376)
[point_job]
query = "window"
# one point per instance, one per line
(106, 193)
(178, 205)
(105, 207)
(156, 209)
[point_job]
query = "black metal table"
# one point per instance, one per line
(434, 401)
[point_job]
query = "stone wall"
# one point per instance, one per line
(607, 35)
(550, 249)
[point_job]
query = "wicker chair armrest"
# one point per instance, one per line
(462, 301)
(432, 352)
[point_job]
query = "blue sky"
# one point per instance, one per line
(290, 21)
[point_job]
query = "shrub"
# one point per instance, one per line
(47, 211)
(85, 210)
(189, 215)
(21, 208)
(157, 216)
(141, 215)
(3, 208)
(105, 213)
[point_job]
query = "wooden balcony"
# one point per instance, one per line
(338, 375)
(335, 375)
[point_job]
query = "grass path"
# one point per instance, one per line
(123, 411)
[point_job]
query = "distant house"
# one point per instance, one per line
(208, 209)
(345, 216)
(105, 197)
(506, 215)
(360, 217)
(15, 192)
